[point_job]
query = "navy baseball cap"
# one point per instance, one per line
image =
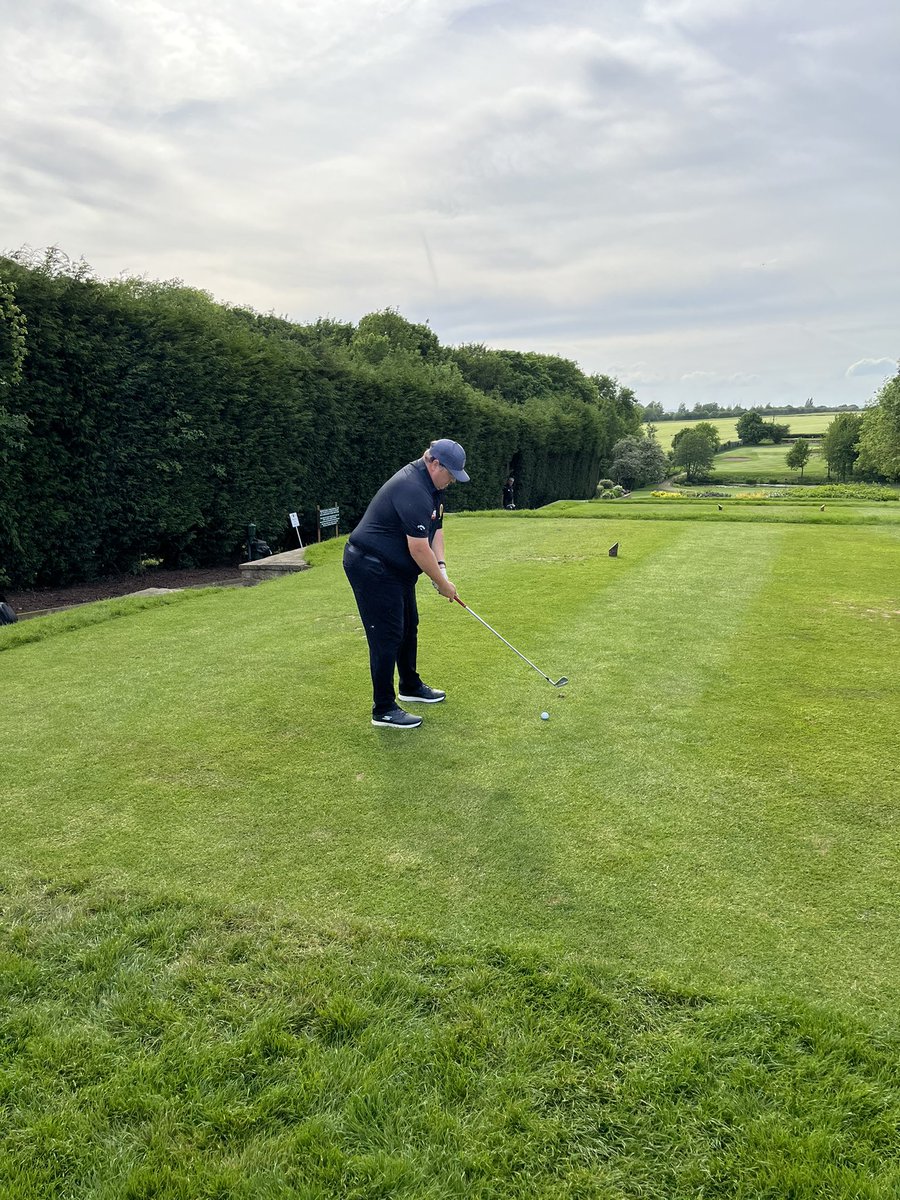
(451, 455)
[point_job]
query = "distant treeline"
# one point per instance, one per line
(140, 420)
(857, 444)
(654, 413)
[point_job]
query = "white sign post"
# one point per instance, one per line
(295, 521)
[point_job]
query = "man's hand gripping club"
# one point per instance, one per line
(433, 567)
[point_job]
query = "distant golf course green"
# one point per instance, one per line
(710, 811)
(764, 463)
(727, 426)
(767, 464)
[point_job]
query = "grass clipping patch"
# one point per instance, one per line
(154, 1047)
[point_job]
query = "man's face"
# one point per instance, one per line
(442, 477)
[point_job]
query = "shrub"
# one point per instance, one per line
(843, 491)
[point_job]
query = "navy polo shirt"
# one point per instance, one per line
(408, 505)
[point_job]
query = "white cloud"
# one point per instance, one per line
(637, 374)
(872, 366)
(678, 186)
(735, 379)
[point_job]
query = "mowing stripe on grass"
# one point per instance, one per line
(223, 748)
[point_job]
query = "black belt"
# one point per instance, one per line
(365, 553)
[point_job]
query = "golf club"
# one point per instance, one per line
(561, 682)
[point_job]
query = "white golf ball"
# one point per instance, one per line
(545, 716)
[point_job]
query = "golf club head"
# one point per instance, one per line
(560, 682)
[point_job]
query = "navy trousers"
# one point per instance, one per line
(387, 606)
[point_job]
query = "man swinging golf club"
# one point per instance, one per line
(401, 536)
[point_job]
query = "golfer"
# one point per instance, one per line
(399, 537)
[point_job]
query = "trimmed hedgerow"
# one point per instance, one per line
(142, 420)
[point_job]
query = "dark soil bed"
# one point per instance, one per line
(119, 585)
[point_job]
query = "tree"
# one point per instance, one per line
(708, 409)
(652, 412)
(879, 439)
(517, 377)
(395, 333)
(638, 461)
(798, 456)
(704, 428)
(777, 433)
(840, 445)
(12, 336)
(621, 400)
(751, 428)
(694, 452)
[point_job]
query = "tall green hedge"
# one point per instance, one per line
(146, 421)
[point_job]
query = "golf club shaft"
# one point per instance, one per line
(502, 639)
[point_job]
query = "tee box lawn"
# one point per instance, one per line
(253, 946)
(729, 717)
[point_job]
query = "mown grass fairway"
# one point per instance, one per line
(727, 426)
(710, 811)
(767, 463)
(713, 796)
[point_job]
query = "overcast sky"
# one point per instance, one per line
(699, 197)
